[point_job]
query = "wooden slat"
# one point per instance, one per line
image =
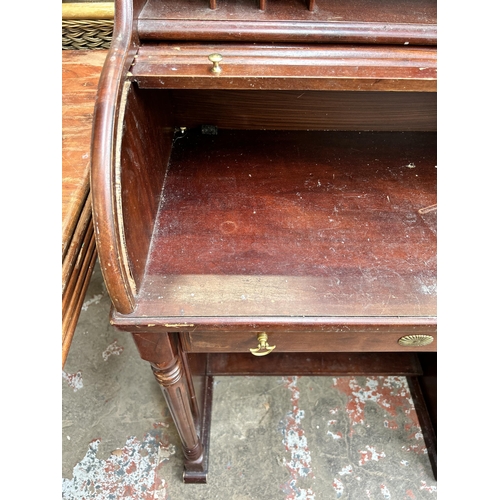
(81, 230)
(76, 270)
(70, 320)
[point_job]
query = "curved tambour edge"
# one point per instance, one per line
(105, 192)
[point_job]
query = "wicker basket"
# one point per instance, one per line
(86, 34)
(87, 25)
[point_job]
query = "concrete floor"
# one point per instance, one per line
(272, 438)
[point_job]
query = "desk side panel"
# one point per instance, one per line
(144, 153)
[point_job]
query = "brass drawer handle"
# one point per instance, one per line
(215, 59)
(264, 348)
(416, 340)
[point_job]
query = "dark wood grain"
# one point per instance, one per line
(287, 67)
(358, 21)
(306, 110)
(303, 224)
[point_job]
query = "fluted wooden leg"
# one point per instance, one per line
(175, 389)
(168, 368)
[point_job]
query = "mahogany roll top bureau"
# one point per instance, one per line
(264, 194)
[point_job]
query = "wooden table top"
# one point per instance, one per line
(81, 70)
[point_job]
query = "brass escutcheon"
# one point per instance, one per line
(215, 59)
(264, 348)
(416, 340)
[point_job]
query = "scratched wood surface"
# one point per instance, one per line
(290, 224)
(80, 75)
(80, 72)
(360, 21)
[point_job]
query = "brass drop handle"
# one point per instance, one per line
(215, 59)
(264, 348)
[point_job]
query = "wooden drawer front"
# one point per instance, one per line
(361, 341)
(286, 67)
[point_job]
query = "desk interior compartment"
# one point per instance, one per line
(279, 203)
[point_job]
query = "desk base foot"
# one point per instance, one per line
(200, 476)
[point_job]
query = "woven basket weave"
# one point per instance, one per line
(85, 34)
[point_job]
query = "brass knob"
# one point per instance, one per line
(263, 348)
(416, 340)
(215, 59)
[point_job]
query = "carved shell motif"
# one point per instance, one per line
(416, 340)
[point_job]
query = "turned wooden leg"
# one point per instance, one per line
(169, 370)
(175, 389)
(213, 4)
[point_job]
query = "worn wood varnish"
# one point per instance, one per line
(302, 224)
